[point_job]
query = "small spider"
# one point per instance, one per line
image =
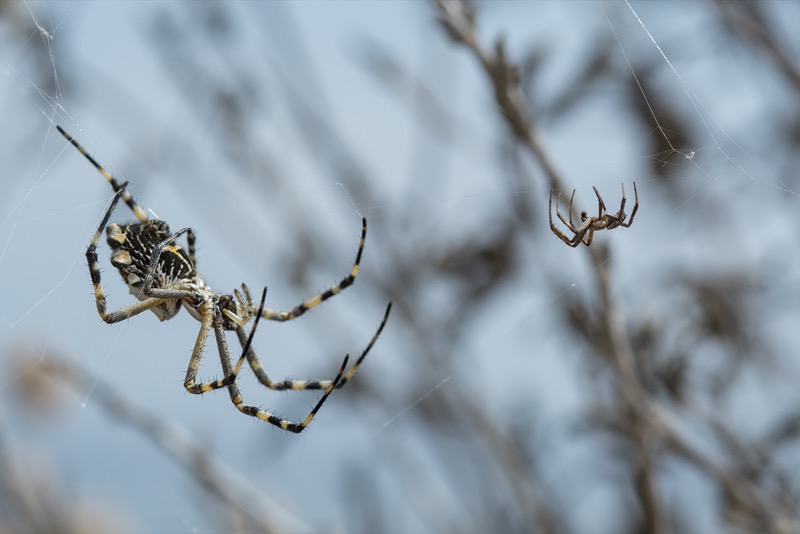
(603, 221)
(162, 275)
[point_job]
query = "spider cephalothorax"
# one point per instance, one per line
(603, 221)
(162, 276)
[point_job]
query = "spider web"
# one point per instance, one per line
(234, 122)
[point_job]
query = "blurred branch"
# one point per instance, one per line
(643, 422)
(217, 476)
(30, 502)
(457, 17)
(745, 506)
(745, 20)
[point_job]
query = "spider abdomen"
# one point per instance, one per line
(133, 247)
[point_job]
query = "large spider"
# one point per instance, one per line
(162, 275)
(603, 221)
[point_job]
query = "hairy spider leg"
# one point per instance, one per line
(238, 401)
(344, 283)
(207, 312)
(283, 385)
(126, 196)
(211, 316)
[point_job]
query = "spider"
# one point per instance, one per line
(163, 277)
(603, 221)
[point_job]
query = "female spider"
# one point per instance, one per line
(603, 221)
(163, 277)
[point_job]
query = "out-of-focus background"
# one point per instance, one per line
(645, 384)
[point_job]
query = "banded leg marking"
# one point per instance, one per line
(283, 385)
(276, 315)
(238, 401)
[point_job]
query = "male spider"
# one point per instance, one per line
(603, 221)
(162, 275)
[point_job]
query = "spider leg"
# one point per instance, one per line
(300, 309)
(602, 205)
(191, 239)
(559, 234)
(571, 200)
(207, 310)
(635, 206)
(580, 232)
(126, 196)
(207, 317)
(94, 272)
(247, 341)
(262, 376)
(575, 240)
(238, 402)
(569, 224)
(589, 239)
